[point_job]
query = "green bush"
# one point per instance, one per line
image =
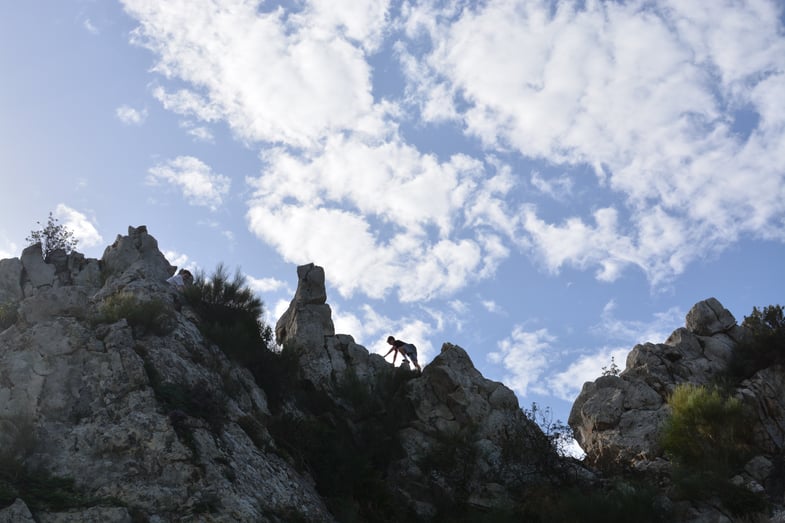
(230, 314)
(764, 346)
(706, 430)
(708, 439)
(8, 315)
(148, 316)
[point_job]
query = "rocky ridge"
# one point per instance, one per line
(149, 420)
(96, 396)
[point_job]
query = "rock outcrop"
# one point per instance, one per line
(82, 395)
(106, 380)
(450, 401)
(113, 398)
(617, 419)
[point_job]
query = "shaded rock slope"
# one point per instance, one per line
(115, 407)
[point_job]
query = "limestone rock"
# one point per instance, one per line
(37, 272)
(135, 257)
(308, 319)
(709, 317)
(617, 419)
(10, 281)
(452, 401)
(104, 403)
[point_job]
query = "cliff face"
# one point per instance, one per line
(111, 395)
(115, 407)
(87, 396)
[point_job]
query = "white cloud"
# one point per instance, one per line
(272, 77)
(630, 89)
(83, 229)
(524, 355)
(90, 26)
(130, 116)
(633, 332)
(492, 307)
(199, 132)
(199, 184)
(264, 285)
(558, 188)
(388, 217)
(179, 260)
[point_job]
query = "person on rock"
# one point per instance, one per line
(181, 279)
(405, 349)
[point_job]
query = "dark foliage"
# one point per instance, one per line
(52, 236)
(348, 449)
(231, 315)
(765, 345)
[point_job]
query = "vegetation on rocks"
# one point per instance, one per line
(52, 236)
(231, 314)
(765, 344)
(145, 316)
(708, 440)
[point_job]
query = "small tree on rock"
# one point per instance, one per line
(53, 236)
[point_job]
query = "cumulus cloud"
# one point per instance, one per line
(638, 99)
(197, 181)
(644, 93)
(264, 285)
(78, 223)
(130, 116)
(524, 355)
(387, 215)
(272, 76)
(632, 332)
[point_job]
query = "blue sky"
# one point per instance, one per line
(544, 183)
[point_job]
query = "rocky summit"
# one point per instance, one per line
(118, 405)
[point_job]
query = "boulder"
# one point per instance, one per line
(88, 397)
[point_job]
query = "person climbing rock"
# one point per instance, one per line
(405, 349)
(181, 279)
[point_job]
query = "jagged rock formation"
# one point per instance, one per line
(617, 419)
(449, 401)
(77, 396)
(153, 422)
(112, 397)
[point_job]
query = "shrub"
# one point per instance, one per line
(52, 236)
(231, 314)
(708, 438)
(765, 345)
(148, 316)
